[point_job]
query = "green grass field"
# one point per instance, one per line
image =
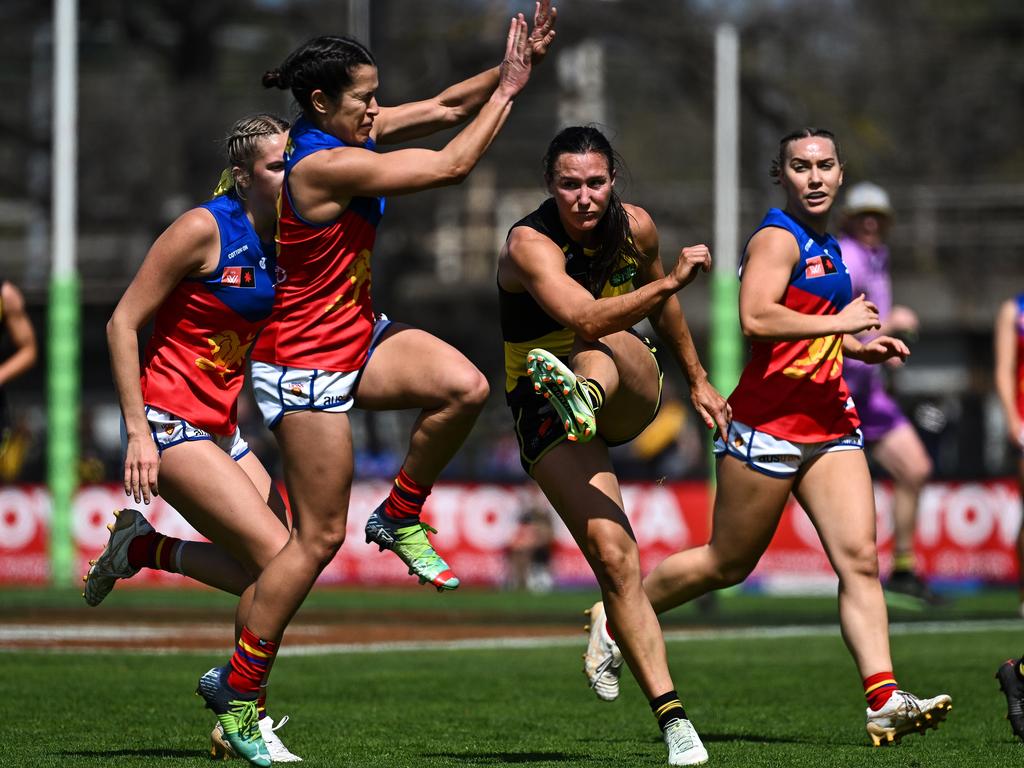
(783, 701)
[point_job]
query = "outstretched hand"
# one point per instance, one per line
(882, 348)
(515, 67)
(692, 260)
(712, 407)
(543, 32)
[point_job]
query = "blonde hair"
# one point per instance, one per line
(241, 145)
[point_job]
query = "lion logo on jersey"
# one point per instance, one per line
(357, 276)
(823, 361)
(226, 352)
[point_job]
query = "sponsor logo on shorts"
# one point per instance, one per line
(333, 400)
(778, 459)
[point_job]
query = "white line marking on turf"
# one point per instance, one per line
(128, 633)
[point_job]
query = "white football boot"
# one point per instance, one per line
(112, 564)
(684, 745)
(602, 663)
(904, 713)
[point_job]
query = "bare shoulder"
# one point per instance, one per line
(641, 227)
(11, 297)
(1007, 312)
(196, 226)
(773, 244)
(526, 243)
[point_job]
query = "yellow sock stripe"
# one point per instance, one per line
(666, 707)
(159, 549)
(254, 651)
(878, 685)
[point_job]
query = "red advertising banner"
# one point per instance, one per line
(966, 532)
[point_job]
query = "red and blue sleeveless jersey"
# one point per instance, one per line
(323, 312)
(794, 390)
(1020, 355)
(194, 363)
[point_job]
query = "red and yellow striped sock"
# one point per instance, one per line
(406, 498)
(250, 662)
(154, 550)
(878, 688)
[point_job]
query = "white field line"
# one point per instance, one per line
(22, 633)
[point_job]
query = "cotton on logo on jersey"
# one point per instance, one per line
(237, 251)
(239, 277)
(226, 352)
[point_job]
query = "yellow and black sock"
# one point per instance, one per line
(903, 561)
(667, 708)
(591, 390)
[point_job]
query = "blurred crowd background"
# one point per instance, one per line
(925, 96)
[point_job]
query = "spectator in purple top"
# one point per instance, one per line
(893, 441)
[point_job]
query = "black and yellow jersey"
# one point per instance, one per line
(524, 325)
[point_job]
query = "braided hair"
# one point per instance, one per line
(779, 161)
(613, 230)
(323, 63)
(241, 145)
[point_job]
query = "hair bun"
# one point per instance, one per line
(273, 79)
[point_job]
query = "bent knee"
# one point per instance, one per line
(322, 545)
(861, 562)
(729, 572)
(616, 563)
(468, 392)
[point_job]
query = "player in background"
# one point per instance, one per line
(323, 337)
(17, 327)
(795, 430)
(891, 438)
(1009, 380)
(574, 277)
(208, 284)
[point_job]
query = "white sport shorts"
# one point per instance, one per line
(168, 429)
(777, 457)
(280, 389)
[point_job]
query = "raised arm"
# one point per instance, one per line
(19, 331)
(1005, 373)
(459, 102)
(189, 246)
(322, 184)
(532, 262)
(771, 256)
(670, 323)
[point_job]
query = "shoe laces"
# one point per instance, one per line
(678, 735)
(247, 718)
(603, 666)
(909, 704)
(417, 545)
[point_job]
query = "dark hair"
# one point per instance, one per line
(779, 161)
(613, 229)
(242, 143)
(324, 62)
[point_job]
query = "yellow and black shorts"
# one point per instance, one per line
(537, 426)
